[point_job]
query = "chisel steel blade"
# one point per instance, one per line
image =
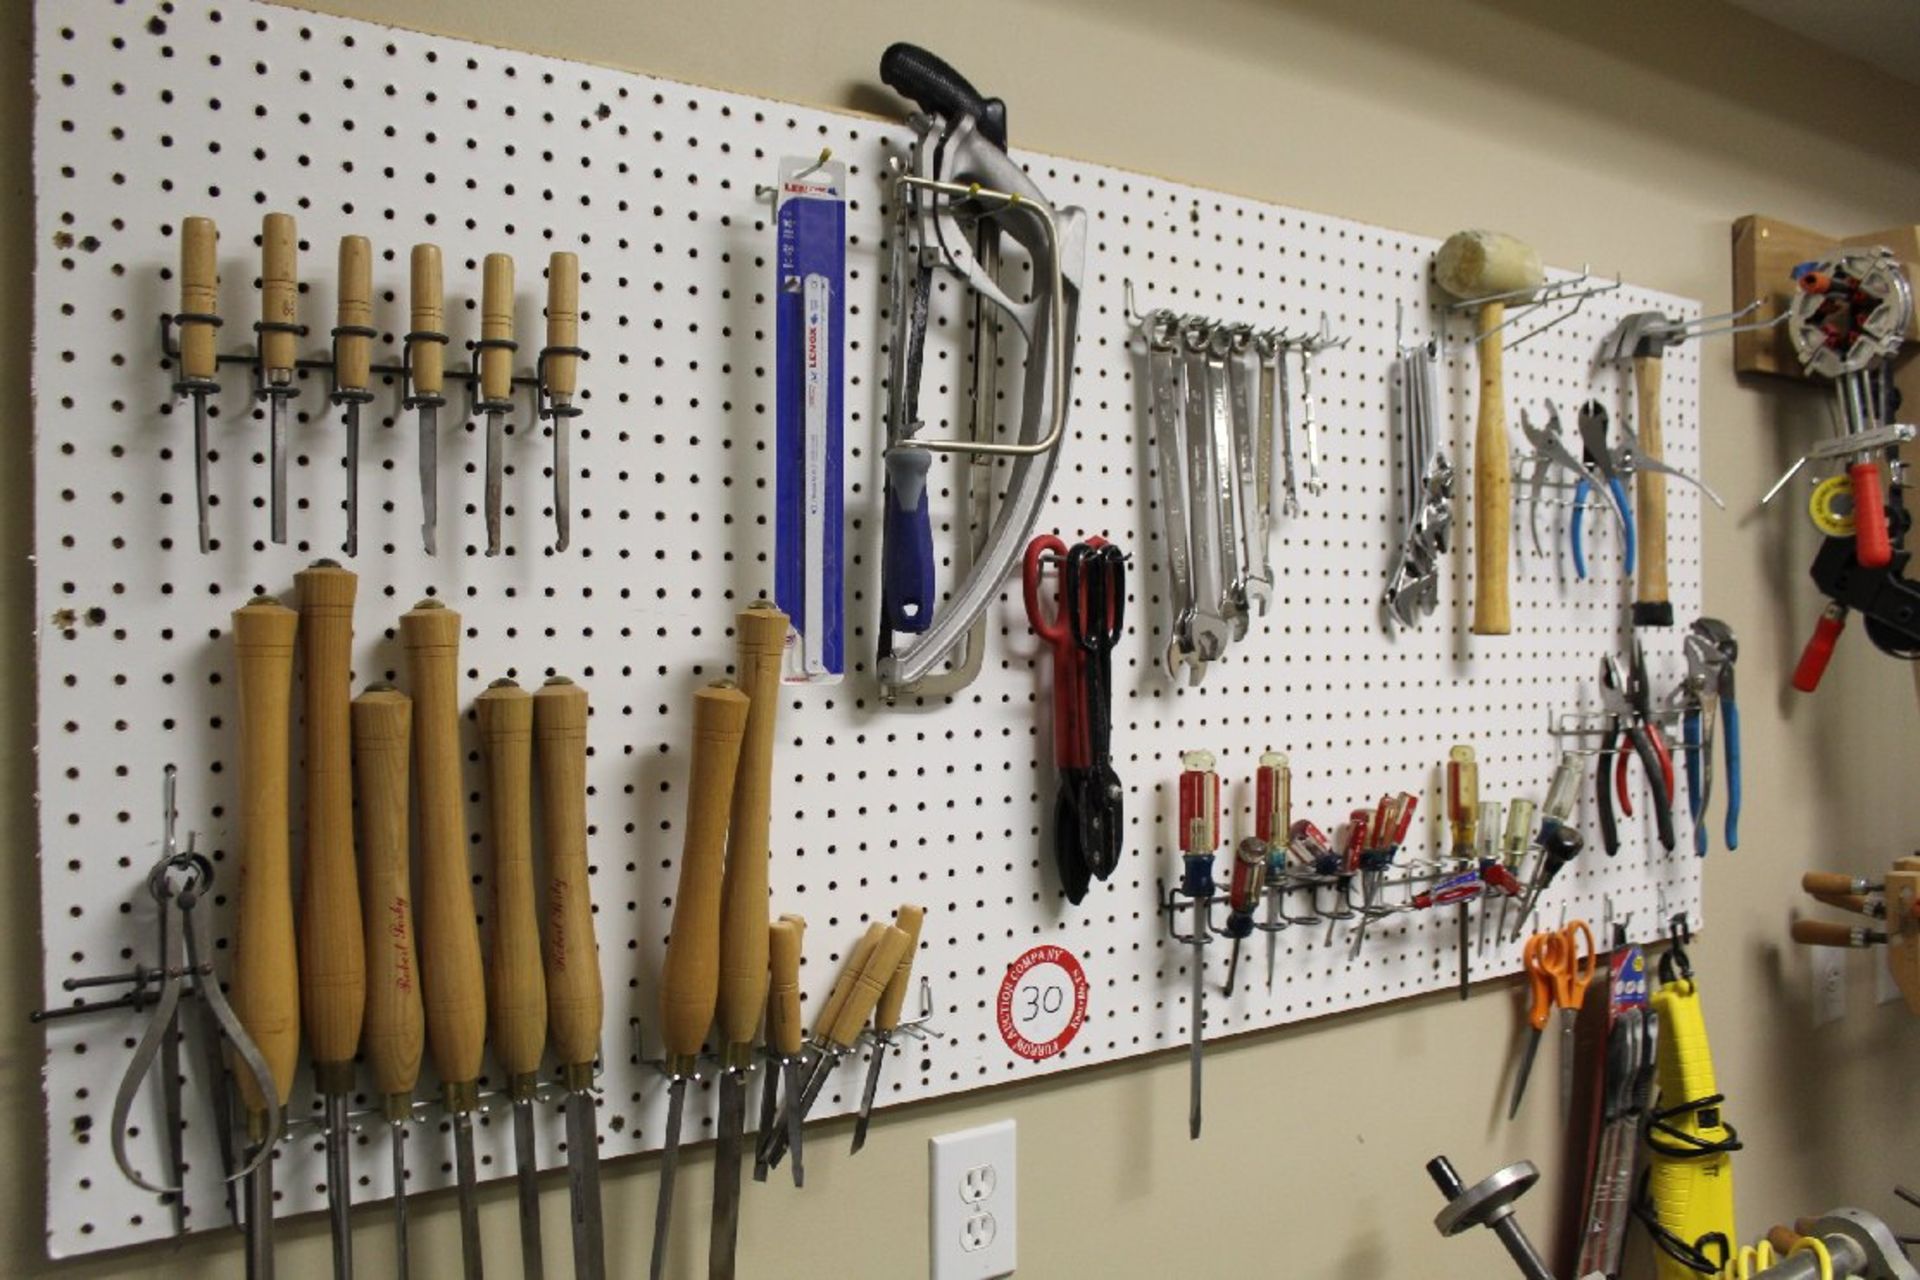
(669, 1166)
(869, 1093)
(397, 1151)
(277, 463)
(769, 1115)
(726, 1177)
(201, 483)
(470, 1256)
(429, 478)
(583, 1186)
(496, 464)
(791, 1070)
(260, 1221)
(526, 1165)
(562, 484)
(353, 479)
(339, 1187)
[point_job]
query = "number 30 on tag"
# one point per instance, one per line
(1043, 1002)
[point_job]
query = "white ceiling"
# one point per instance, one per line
(1885, 33)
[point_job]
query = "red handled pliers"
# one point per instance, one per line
(1626, 695)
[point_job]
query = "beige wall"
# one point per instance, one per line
(1627, 135)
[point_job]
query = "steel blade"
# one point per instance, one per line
(277, 462)
(669, 1165)
(429, 477)
(725, 1236)
(397, 1150)
(868, 1094)
(260, 1221)
(474, 1264)
(353, 479)
(794, 1110)
(526, 1167)
(339, 1187)
(1193, 1051)
(583, 1186)
(791, 1070)
(201, 483)
(769, 1115)
(496, 464)
(562, 485)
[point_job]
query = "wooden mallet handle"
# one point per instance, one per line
(563, 323)
(690, 978)
(455, 997)
(866, 989)
(279, 294)
(850, 969)
(517, 986)
(1492, 484)
(199, 294)
(333, 972)
(265, 979)
(575, 1004)
(394, 1032)
(761, 632)
(784, 1031)
(356, 308)
(427, 314)
(886, 1015)
(496, 322)
(1650, 487)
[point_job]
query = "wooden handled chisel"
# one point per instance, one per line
(265, 979)
(426, 367)
(786, 1040)
(575, 1003)
(454, 982)
(563, 372)
(199, 361)
(761, 633)
(394, 1032)
(496, 378)
(690, 977)
(279, 333)
(333, 972)
(886, 1017)
(516, 983)
(353, 343)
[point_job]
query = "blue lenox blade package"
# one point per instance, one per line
(809, 370)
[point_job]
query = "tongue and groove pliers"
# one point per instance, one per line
(1708, 689)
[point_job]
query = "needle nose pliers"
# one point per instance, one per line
(1625, 695)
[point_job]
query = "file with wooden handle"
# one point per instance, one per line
(199, 360)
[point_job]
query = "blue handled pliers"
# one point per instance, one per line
(1602, 468)
(1709, 688)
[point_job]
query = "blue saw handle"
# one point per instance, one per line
(1626, 519)
(1696, 804)
(1730, 726)
(907, 548)
(1581, 492)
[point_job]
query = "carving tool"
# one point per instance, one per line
(455, 997)
(1490, 270)
(333, 972)
(353, 355)
(761, 632)
(886, 1017)
(690, 977)
(265, 976)
(575, 1004)
(1463, 817)
(425, 357)
(865, 976)
(563, 371)
(496, 378)
(198, 322)
(786, 1041)
(394, 1028)
(279, 327)
(516, 983)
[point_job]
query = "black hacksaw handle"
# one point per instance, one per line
(933, 86)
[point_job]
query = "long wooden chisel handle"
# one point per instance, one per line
(784, 1029)
(575, 1003)
(395, 1031)
(199, 296)
(517, 985)
(867, 986)
(850, 969)
(762, 635)
(886, 1015)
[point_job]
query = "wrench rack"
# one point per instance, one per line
(229, 107)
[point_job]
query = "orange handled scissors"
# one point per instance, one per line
(1560, 964)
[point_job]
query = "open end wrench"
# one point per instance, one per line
(1257, 582)
(1233, 581)
(1284, 501)
(1163, 377)
(1211, 634)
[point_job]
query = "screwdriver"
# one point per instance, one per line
(1199, 837)
(516, 983)
(1272, 824)
(1560, 843)
(563, 369)
(575, 1003)
(786, 1040)
(1487, 838)
(1463, 801)
(353, 345)
(279, 327)
(333, 976)
(455, 997)
(1243, 896)
(198, 320)
(426, 358)
(886, 1017)
(861, 983)
(265, 977)
(760, 636)
(496, 378)
(1513, 851)
(394, 1030)
(690, 977)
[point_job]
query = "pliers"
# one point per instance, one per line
(1603, 467)
(1624, 693)
(1709, 687)
(1549, 451)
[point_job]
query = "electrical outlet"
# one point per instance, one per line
(971, 1202)
(1829, 970)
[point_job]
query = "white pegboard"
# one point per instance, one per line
(151, 112)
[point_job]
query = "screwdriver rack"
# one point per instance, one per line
(227, 108)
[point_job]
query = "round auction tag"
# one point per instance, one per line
(1043, 1001)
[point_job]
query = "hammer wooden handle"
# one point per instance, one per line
(563, 322)
(265, 979)
(355, 310)
(455, 997)
(690, 979)
(1492, 484)
(784, 1031)
(333, 976)
(886, 1015)
(575, 1005)
(496, 323)
(850, 969)
(199, 295)
(427, 314)
(866, 989)
(395, 1031)
(1650, 487)
(279, 294)
(761, 635)
(516, 986)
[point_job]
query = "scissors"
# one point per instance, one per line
(1071, 754)
(1559, 963)
(1096, 594)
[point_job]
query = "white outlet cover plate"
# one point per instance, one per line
(1829, 972)
(951, 1157)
